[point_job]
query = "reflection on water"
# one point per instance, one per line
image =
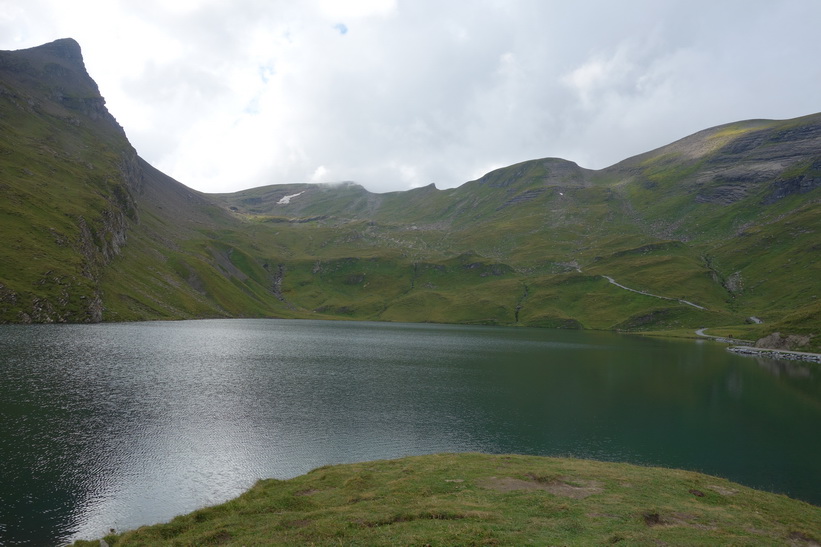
(793, 369)
(119, 425)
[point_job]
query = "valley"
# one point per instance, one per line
(120, 420)
(722, 224)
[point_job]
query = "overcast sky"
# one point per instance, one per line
(394, 94)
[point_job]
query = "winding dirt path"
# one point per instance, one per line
(614, 282)
(701, 332)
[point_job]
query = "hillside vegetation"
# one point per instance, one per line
(474, 499)
(723, 225)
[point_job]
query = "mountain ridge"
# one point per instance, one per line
(727, 218)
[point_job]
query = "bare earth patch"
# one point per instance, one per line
(564, 487)
(674, 519)
(302, 523)
(722, 490)
(799, 538)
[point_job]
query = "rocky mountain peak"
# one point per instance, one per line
(53, 78)
(64, 48)
(58, 64)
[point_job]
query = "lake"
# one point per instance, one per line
(119, 425)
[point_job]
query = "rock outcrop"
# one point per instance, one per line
(776, 340)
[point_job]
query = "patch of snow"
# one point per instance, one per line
(285, 200)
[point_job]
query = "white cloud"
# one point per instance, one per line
(227, 95)
(350, 9)
(320, 174)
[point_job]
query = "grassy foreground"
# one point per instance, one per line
(476, 499)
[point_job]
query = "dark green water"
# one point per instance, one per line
(119, 425)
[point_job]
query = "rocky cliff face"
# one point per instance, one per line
(774, 160)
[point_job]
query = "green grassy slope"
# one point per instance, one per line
(91, 231)
(65, 184)
(726, 219)
(474, 499)
(713, 219)
(187, 258)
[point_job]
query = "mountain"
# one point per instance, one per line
(68, 181)
(717, 229)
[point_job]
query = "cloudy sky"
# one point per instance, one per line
(394, 94)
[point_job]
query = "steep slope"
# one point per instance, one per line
(707, 231)
(75, 196)
(187, 258)
(67, 186)
(745, 196)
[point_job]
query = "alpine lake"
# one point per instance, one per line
(113, 426)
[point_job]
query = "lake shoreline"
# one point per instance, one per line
(776, 353)
(475, 498)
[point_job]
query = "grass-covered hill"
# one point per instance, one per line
(474, 499)
(718, 227)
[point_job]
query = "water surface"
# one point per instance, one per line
(118, 425)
